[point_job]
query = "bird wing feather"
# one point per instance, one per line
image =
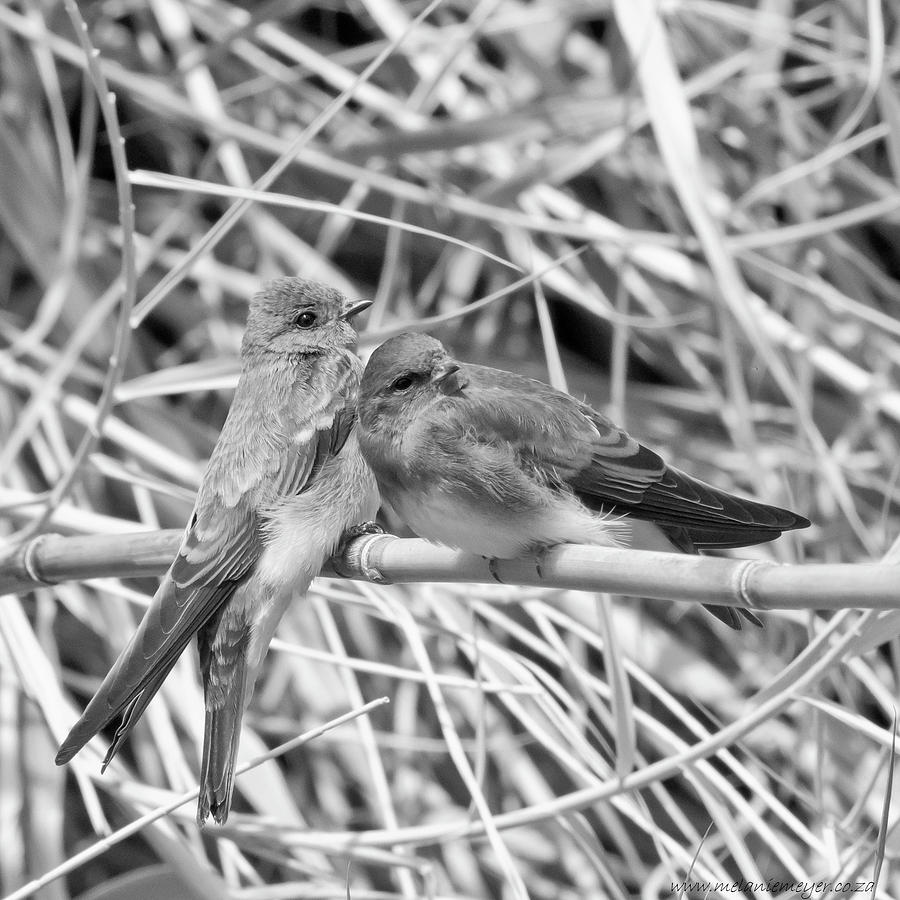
(559, 439)
(547, 434)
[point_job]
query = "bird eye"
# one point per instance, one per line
(402, 384)
(306, 319)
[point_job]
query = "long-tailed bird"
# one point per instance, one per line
(501, 465)
(284, 482)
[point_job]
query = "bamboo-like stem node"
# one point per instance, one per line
(29, 559)
(744, 579)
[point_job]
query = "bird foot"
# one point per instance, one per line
(355, 531)
(355, 560)
(538, 557)
(492, 568)
(539, 554)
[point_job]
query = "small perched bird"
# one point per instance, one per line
(284, 483)
(501, 465)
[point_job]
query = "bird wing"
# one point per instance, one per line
(695, 515)
(711, 517)
(219, 547)
(221, 544)
(563, 441)
(551, 436)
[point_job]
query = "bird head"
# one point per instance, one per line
(405, 376)
(294, 316)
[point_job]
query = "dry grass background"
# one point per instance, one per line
(711, 208)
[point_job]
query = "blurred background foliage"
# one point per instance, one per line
(695, 227)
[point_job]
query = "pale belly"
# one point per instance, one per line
(492, 531)
(304, 531)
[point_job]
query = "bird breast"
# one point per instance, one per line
(492, 530)
(303, 531)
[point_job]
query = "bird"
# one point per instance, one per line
(283, 484)
(498, 464)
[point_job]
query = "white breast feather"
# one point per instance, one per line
(493, 531)
(302, 532)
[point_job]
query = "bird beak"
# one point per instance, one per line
(355, 307)
(448, 379)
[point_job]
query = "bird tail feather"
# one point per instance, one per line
(733, 617)
(221, 738)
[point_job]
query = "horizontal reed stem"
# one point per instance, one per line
(53, 558)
